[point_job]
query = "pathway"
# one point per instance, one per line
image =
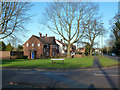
(96, 63)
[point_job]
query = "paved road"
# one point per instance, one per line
(113, 57)
(102, 78)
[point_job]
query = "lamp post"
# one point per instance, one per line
(102, 42)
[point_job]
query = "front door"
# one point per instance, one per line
(32, 55)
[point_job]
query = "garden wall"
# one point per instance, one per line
(5, 55)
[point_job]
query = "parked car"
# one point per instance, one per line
(113, 54)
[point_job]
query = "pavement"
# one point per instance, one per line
(95, 77)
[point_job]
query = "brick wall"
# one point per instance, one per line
(35, 47)
(5, 55)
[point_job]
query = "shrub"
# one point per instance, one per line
(25, 57)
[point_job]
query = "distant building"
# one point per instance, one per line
(97, 50)
(63, 47)
(81, 50)
(42, 46)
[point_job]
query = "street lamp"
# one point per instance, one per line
(102, 42)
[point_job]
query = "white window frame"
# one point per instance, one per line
(32, 44)
(47, 46)
(44, 50)
(47, 53)
(63, 47)
(38, 44)
(53, 54)
(54, 46)
(27, 44)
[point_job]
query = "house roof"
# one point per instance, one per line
(46, 40)
(60, 42)
(64, 43)
(40, 39)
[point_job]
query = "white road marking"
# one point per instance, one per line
(57, 73)
(105, 75)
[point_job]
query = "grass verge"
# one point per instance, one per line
(107, 62)
(46, 63)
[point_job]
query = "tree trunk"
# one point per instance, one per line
(68, 51)
(91, 51)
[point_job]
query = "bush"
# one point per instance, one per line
(20, 57)
(25, 57)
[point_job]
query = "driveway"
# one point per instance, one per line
(102, 78)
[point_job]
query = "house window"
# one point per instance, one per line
(44, 50)
(47, 53)
(63, 47)
(27, 44)
(32, 44)
(53, 53)
(38, 44)
(47, 46)
(54, 46)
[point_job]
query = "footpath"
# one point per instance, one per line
(96, 63)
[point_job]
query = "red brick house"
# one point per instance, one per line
(40, 47)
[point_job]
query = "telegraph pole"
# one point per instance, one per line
(102, 44)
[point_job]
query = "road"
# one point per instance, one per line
(102, 78)
(113, 57)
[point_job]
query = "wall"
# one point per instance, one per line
(27, 49)
(5, 55)
(61, 51)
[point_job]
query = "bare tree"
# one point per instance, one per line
(93, 30)
(69, 20)
(14, 17)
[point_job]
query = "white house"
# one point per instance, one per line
(63, 47)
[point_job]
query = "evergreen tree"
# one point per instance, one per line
(20, 47)
(2, 46)
(9, 47)
(87, 49)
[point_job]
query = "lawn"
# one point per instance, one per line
(46, 63)
(107, 62)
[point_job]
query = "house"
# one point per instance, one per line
(81, 50)
(40, 47)
(97, 50)
(63, 47)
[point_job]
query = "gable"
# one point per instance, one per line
(32, 39)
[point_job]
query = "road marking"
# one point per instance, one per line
(57, 73)
(105, 75)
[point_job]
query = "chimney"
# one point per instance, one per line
(46, 35)
(40, 34)
(61, 40)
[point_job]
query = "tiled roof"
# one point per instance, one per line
(60, 42)
(46, 40)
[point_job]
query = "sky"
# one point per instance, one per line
(106, 9)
